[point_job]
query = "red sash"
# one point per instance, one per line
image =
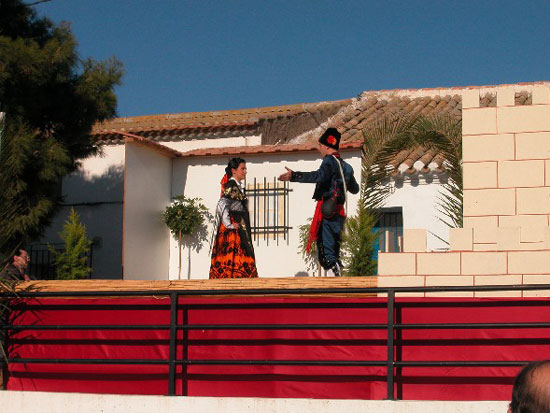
(316, 223)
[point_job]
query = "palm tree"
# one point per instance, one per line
(387, 143)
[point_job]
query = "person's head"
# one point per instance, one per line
(21, 260)
(531, 393)
(329, 142)
(236, 168)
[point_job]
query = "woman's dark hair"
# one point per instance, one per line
(233, 164)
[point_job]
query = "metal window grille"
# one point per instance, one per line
(41, 266)
(390, 227)
(269, 210)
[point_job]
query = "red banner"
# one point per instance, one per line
(339, 382)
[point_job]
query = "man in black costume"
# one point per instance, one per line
(330, 188)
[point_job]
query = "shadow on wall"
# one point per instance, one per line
(196, 242)
(80, 188)
(98, 199)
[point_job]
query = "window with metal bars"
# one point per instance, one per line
(390, 229)
(269, 208)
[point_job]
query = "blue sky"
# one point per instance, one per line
(205, 55)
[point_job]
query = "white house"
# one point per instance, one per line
(147, 160)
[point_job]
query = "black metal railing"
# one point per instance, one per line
(391, 326)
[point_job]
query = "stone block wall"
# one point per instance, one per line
(506, 234)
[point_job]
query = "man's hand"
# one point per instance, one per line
(286, 176)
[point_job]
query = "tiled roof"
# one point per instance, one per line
(226, 119)
(165, 150)
(296, 127)
(263, 149)
(371, 108)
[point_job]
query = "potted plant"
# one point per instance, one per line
(185, 216)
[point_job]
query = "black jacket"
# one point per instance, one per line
(326, 176)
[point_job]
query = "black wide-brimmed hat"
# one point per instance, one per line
(331, 138)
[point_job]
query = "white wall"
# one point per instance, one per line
(31, 402)
(223, 142)
(95, 191)
(419, 200)
(200, 177)
(146, 194)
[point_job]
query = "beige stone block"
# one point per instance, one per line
(533, 145)
(536, 293)
(547, 237)
(533, 200)
(515, 174)
(480, 121)
(400, 281)
(414, 240)
(547, 173)
(532, 227)
(501, 279)
(485, 247)
(486, 235)
(529, 262)
(508, 239)
(536, 279)
(478, 175)
(438, 263)
(498, 280)
(396, 263)
(451, 294)
(484, 263)
(521, 119)
(447, 281)
(480, 222)
(497, 294)
(470, 98)
(541, 94)
(461, 239)
(488, 148)
(533, 246)
(506, 96)
(489, 202)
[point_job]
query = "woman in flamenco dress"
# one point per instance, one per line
(232, 250)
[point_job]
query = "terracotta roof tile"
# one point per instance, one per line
(215, 119)
(262, 149)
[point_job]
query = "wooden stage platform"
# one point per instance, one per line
(282, 284)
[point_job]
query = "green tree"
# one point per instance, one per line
(358, 242)
(185, 216)
(71, 263)
(310, 258)
(51, 99)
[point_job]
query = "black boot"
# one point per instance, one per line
(337, 270)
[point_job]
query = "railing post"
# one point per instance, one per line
(391, 302)
(172, 349)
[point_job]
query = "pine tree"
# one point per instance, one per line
(72, 262)
(51, 99)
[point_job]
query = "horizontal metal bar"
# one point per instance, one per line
(343, 363)
(278, 291)
(86, 361)
(283, 327)
(438, 326)
(444, 326)
(459, 363)
(89, 327)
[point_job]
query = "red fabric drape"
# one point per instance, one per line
(441, 383)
